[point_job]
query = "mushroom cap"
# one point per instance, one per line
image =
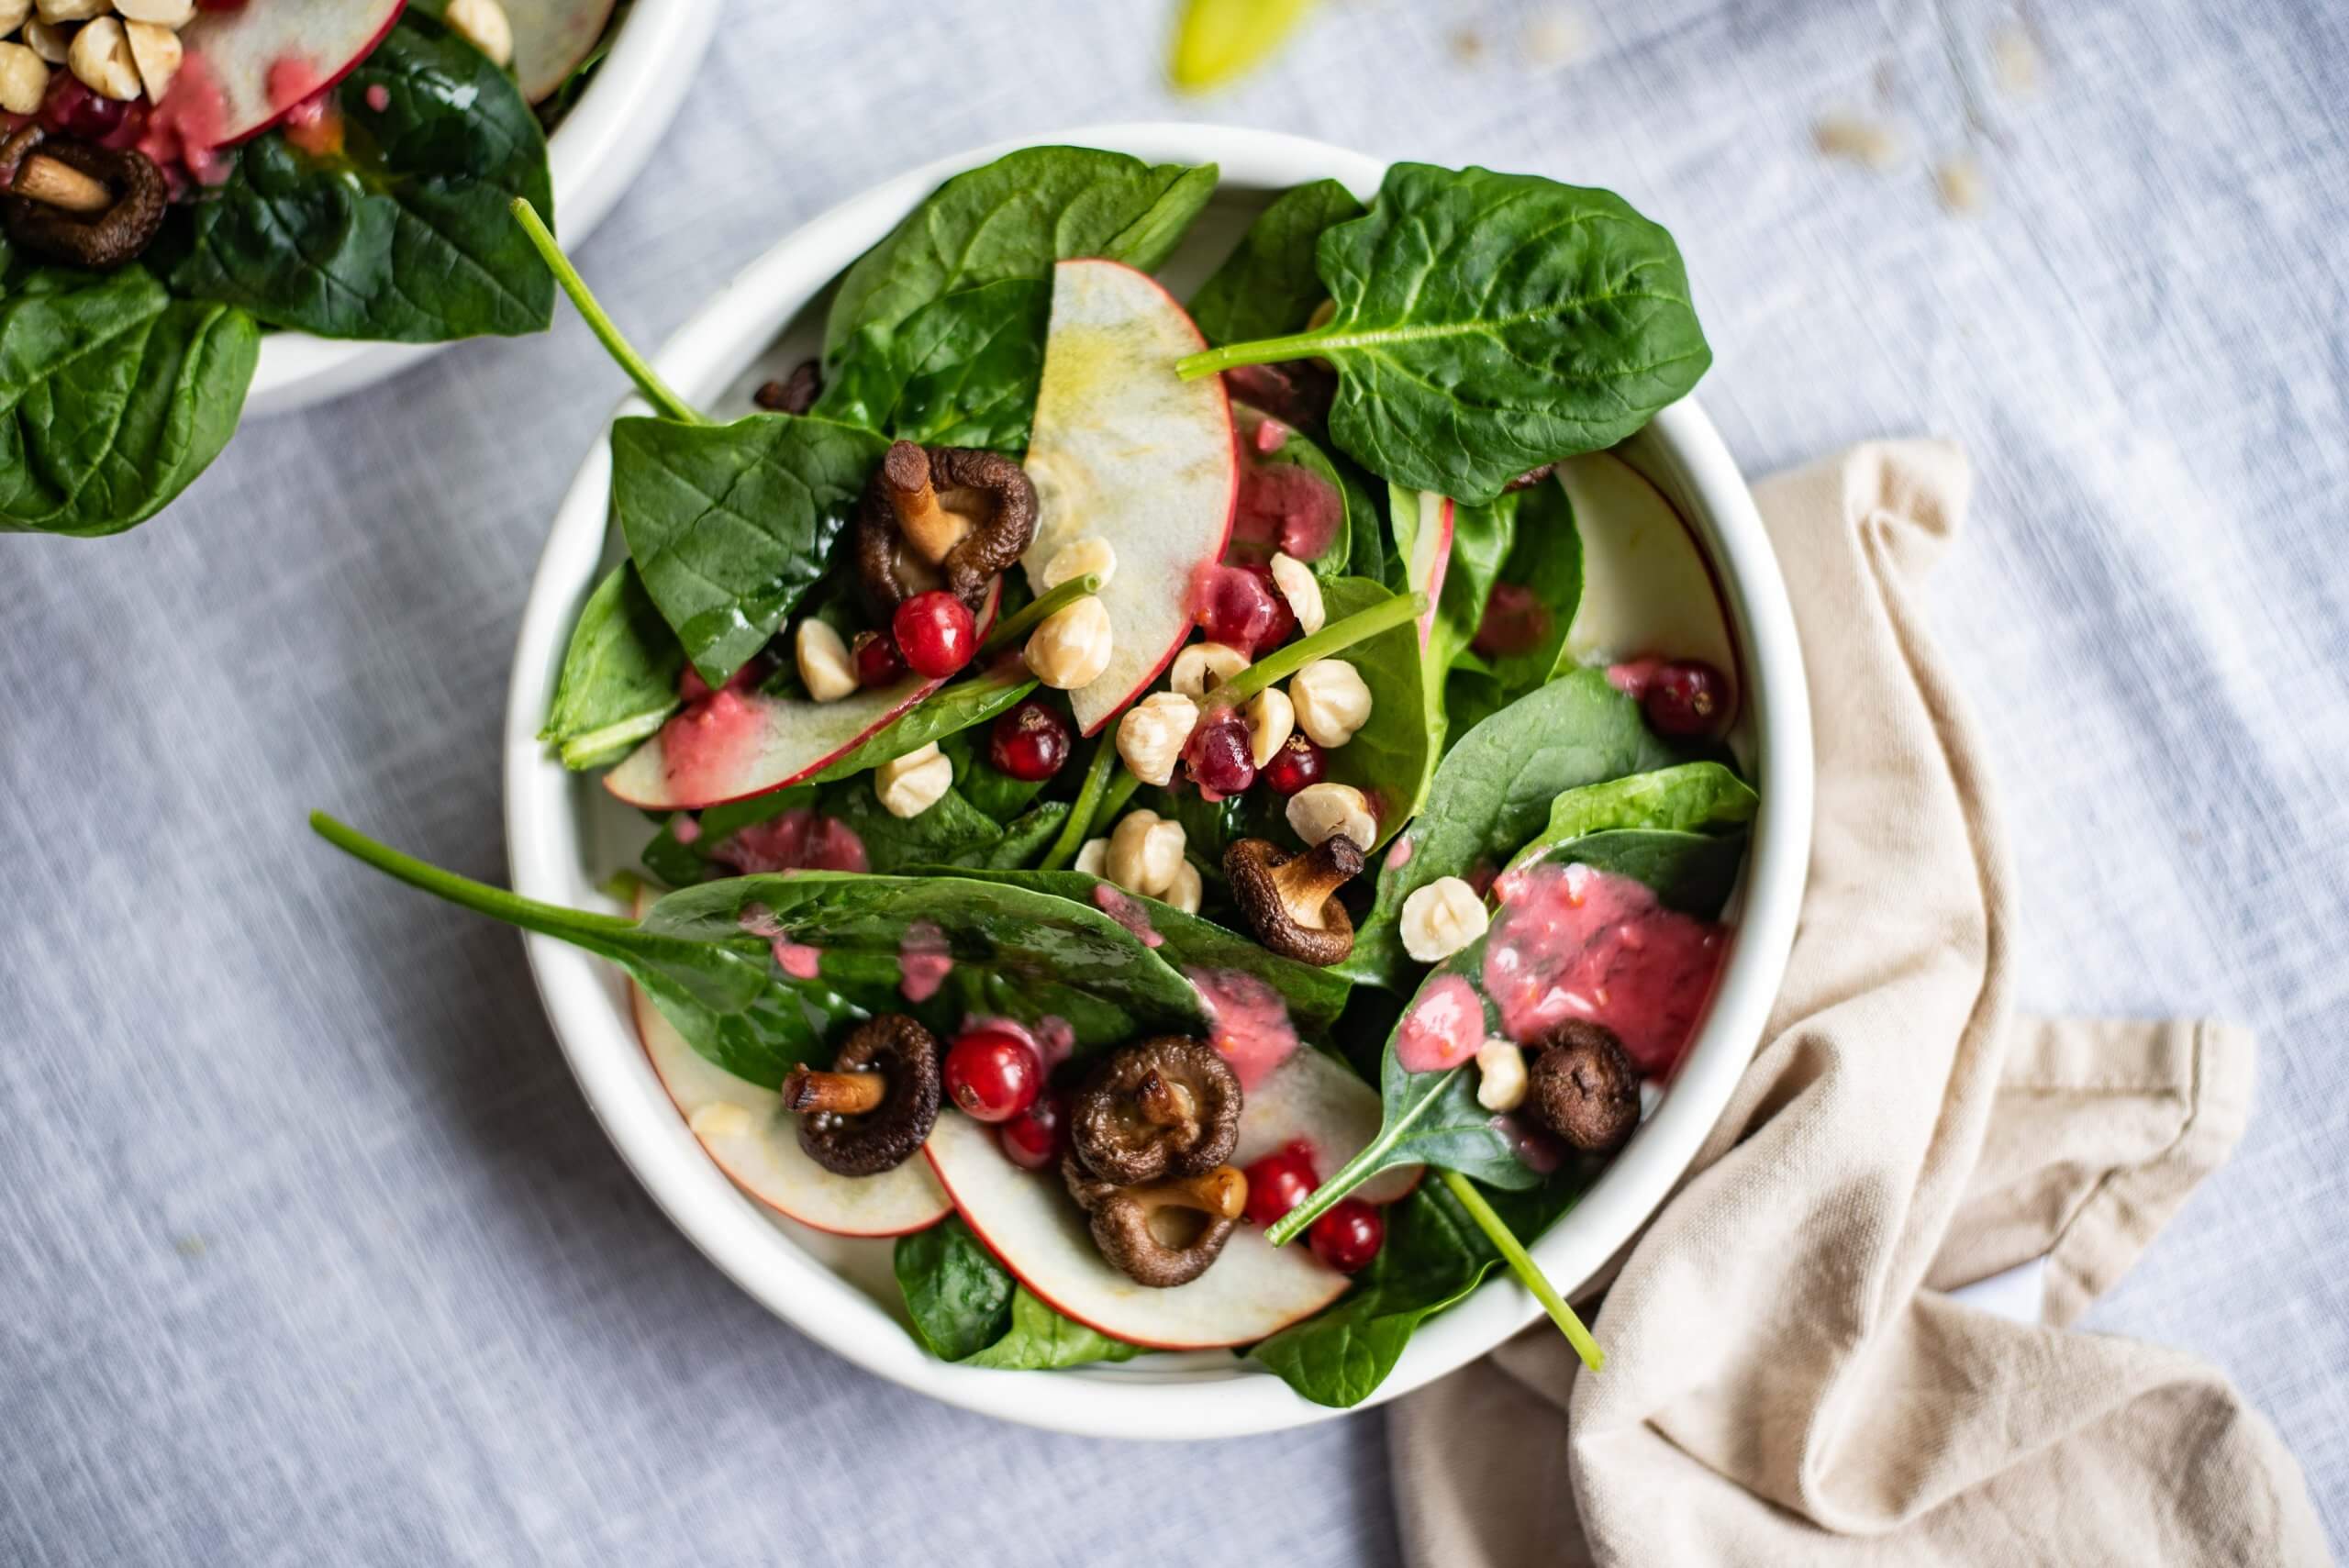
(987, 487)
(1122, 1226)
(104, 240)
(1291, 900)
(885, 1136)
(1584, 1087)
(1193, 1088)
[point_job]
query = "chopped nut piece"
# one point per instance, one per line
(56, 11)
(1188, 890)
(172, 13)
(12, 15)
(908, 786)
(1319, 811)
(1093, 857)
(53, 44)
(1332, 701)
(24, 79)
(1272, 720)
(1150, 735)
(1201, 667)
(100, 56)
(155, 50)
(1072, 645)
(1078, 557)
(1302, 590)
(822, 658)
(1441, 918)
(1145, 852)
(1500, 1075)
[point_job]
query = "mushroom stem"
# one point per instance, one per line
(1308, 881)
(43, 179)
(1222, 1192)
(929, 527)
(1163, 1103)
(843, 1094)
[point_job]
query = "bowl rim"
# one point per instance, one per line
(587, 1003)
(594, 156)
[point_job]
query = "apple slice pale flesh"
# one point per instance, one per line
(551, 37)
(734, 744)
(1429, 553)
(244, 69)
(1646, 591)
(1124, 449)
(1031, 1224)
(754, 1140)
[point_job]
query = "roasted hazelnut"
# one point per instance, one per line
(1584, 1087)
(878, 1103)
(1164, 1233)
(1291, 900)
(940, 516)
(1168, 1106)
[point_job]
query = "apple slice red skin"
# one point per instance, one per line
(646, 767)
(547, 51)
(208, 23)
(808, 1213)
(1430, 557)
(1039, 557)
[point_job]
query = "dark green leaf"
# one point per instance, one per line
(619, 675)
(960, 372)
(730, 524)
(1487, 324)
(1040, 1339)
(951, 830)
(1268, 285)
(113, 396)
(1028, 836)
(1013, 218)
(1543, 578)
(1481, 540)
(958, 1295)
(1693, 872)
(404, 236)
(1692, 797)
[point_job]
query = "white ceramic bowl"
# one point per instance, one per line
(565, 836)
(595, 153)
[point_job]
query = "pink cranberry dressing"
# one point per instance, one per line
(1127, 913)
(292, 79)
(798, 840)
(1570, 943)
(714, 737)
(379, 97)
(797, 959)
(1283, 506)
(1516, 622)
(923, 963)
(1399, 853)
(1247, 1021)
(1634, 676)
(1443, 1028)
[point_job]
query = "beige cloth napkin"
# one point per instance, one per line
(1784, 1384)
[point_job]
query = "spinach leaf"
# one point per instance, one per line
(1314, 996)
(1693, 872)
(708, 835)
(728, 525)
(721, 989)
(619, 675)
(966, 1308)
(958, 1295)
(1040, 1339)
(1433, 1257)
(1263, 515)
(114, 396)
(1013, 218)
(1529, 611)
(405, 236)
(960, 372)
(1268, 285)
(1493, 793)
(1487, 324)
(1392, 756)
(1028, 836)
(953, 830)
(949, 710)
(1481, 539)
(1693, 798)
(1031, 943)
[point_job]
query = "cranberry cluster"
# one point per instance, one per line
(1241, 607)
(1347, 1238)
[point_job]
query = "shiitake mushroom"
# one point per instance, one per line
(1291, 900)
(877, 1104)
(1162, 1233)
(87, 207)
(933, 516)
(1167, 1106)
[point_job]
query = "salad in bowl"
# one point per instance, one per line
(190, 191)
(1168, 789)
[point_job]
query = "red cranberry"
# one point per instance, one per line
(73, 110)
(1235, 606)
(1030, 743)
(1217, 752)
(1298, 764)
(1283, 622)
(1515, 621)
(1685, 700)
(934, 633)
(992, 1076)
(1280, 1181)
(875, 657)
(1036, 1138)
(1349, 1236)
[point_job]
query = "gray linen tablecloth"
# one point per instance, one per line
(309, 1250)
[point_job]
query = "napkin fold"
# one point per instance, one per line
(1786, 1382)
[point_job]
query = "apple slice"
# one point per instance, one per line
(751, 1136)
(1647, 592)
(734, 743)
(1428, 550)
(245, 68)
(551, 37)
(1254, 1289)
(1124, 449)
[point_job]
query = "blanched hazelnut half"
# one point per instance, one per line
(1302, 590)
(1145, 852)
(1441, 918)
(155, 50)
(100, 56)
(823, 661)
(908, 786)
(1201, 667)
(1188, 890)
(1093, 857)
(24, 79)
(1150, 735)
(1500, 1074)
(172, 13)
(1272, 720)
(1321, 811)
